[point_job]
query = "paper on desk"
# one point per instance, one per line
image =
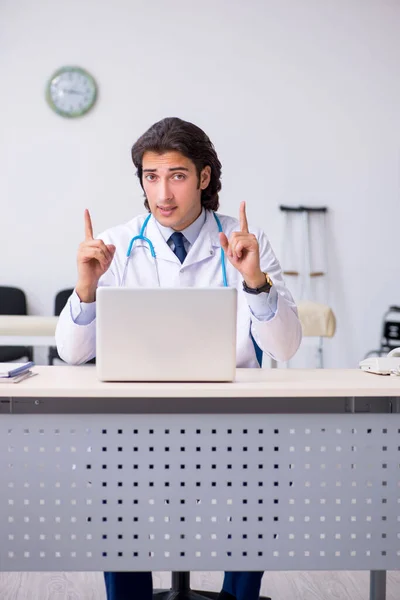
(18, 378)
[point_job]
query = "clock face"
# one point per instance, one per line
(71, 92)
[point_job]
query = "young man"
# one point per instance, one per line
(179, 172)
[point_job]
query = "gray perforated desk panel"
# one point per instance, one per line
(280, 470)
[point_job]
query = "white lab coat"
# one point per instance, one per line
(279, 337)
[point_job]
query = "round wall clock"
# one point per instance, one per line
(71, 92)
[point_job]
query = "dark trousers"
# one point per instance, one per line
(129, 586)
(243, 585)
(139, 586)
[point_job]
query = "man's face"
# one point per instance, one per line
(173, 189)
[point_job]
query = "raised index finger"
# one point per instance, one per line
(88, 226)
(244, 227)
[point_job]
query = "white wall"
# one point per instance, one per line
(301, 100)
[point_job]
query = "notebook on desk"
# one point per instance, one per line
(166, 334)
(11, 369)
(13, 372)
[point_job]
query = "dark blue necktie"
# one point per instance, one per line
(178, 239)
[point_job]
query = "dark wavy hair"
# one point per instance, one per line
(173, 134)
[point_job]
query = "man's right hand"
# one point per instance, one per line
(94, 259)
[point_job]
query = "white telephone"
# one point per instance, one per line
(381, 365)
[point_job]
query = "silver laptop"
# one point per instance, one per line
(165, 334)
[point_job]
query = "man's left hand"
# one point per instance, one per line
(243, 252)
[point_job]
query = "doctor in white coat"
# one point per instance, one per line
(179, 172)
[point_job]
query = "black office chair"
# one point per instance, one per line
(13, 302)
(180, 580)
(59, 303)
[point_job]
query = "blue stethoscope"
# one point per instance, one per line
(141, 237)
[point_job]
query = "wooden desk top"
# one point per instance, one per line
(66, 381)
